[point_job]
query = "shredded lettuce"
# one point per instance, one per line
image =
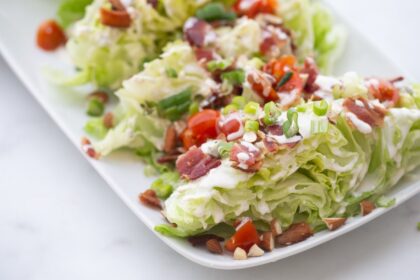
(71, 11)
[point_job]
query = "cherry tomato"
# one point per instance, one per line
(201, 126)
(50, 36)
(278, 67)
(262, 86)
(231, 126)
(251, 8)
(245, 237)
(385, 91)
(286, 65)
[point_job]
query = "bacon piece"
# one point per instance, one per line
(153, 3)
(115, 18)
(195, 164)
(372, 115)
(150, 199)
(168, 158)
(310, 68)
(195, 31)
(294, 234)
(204, 55)
(274, 130)
(271, 145)
(246, 157)
(275, 42)
(199, 240)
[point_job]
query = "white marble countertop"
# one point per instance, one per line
(59, 220)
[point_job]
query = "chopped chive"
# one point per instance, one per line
(235, 77)
(174, 107)
(290, 127)
(95, 107)
(272, 112)
(321, 108)
(286, 77)
(229, 109)
(224, 149)
(252, 108)
(218, 65)
(171, 73)
(239, 101)
(215, 11)
(251, 126)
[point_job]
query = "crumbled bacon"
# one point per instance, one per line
(246, 157)
(216, 101)
(88, 149)
(275, 42)
(204, 55)
(312, 71)
(150, 199)
(153, 3)
(370, 114)
(271, 145)
(195, 164)
(274, 130)
(168, 158)
(195, 31)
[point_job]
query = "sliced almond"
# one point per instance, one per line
(275, 227)
(294, 234)
(214, 246)
(170, 139)
(150, 199)
(255, 251)
(239, 254)
(267, 241)
(334, 223)
(366, 207)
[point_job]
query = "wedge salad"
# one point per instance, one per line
(231, 104)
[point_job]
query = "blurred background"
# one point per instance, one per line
(93, 235)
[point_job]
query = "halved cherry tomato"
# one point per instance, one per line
(385, 91)
(231, 126)
(201, 126)
(251, 8)
(245, 237)
(262, 86)
(286, 65)
(50, 36)
(278, 67)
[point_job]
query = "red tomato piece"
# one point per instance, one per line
(245, 236)
(385, 91)
(231, 126)
(278, 67)
(50, 36)
(263, 86)
(201, 126)
(295, 82)
(251, 8)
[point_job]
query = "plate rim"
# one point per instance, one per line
(406, 194)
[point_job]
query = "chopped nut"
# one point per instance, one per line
(214, 246)
(88, 149)
(199, 240)
(366, 207)
(108, 120)
(267, 241)
(239, 254)
(334, 223)
(150, 198)
(294, 234)
(255, 251)
(170, 139)
(275, 227)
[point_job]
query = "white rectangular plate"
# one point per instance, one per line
(123, 171)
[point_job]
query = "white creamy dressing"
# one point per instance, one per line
(250, 137)
(211, 148)
(326, 85)
(359, 124)
(284, 140)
